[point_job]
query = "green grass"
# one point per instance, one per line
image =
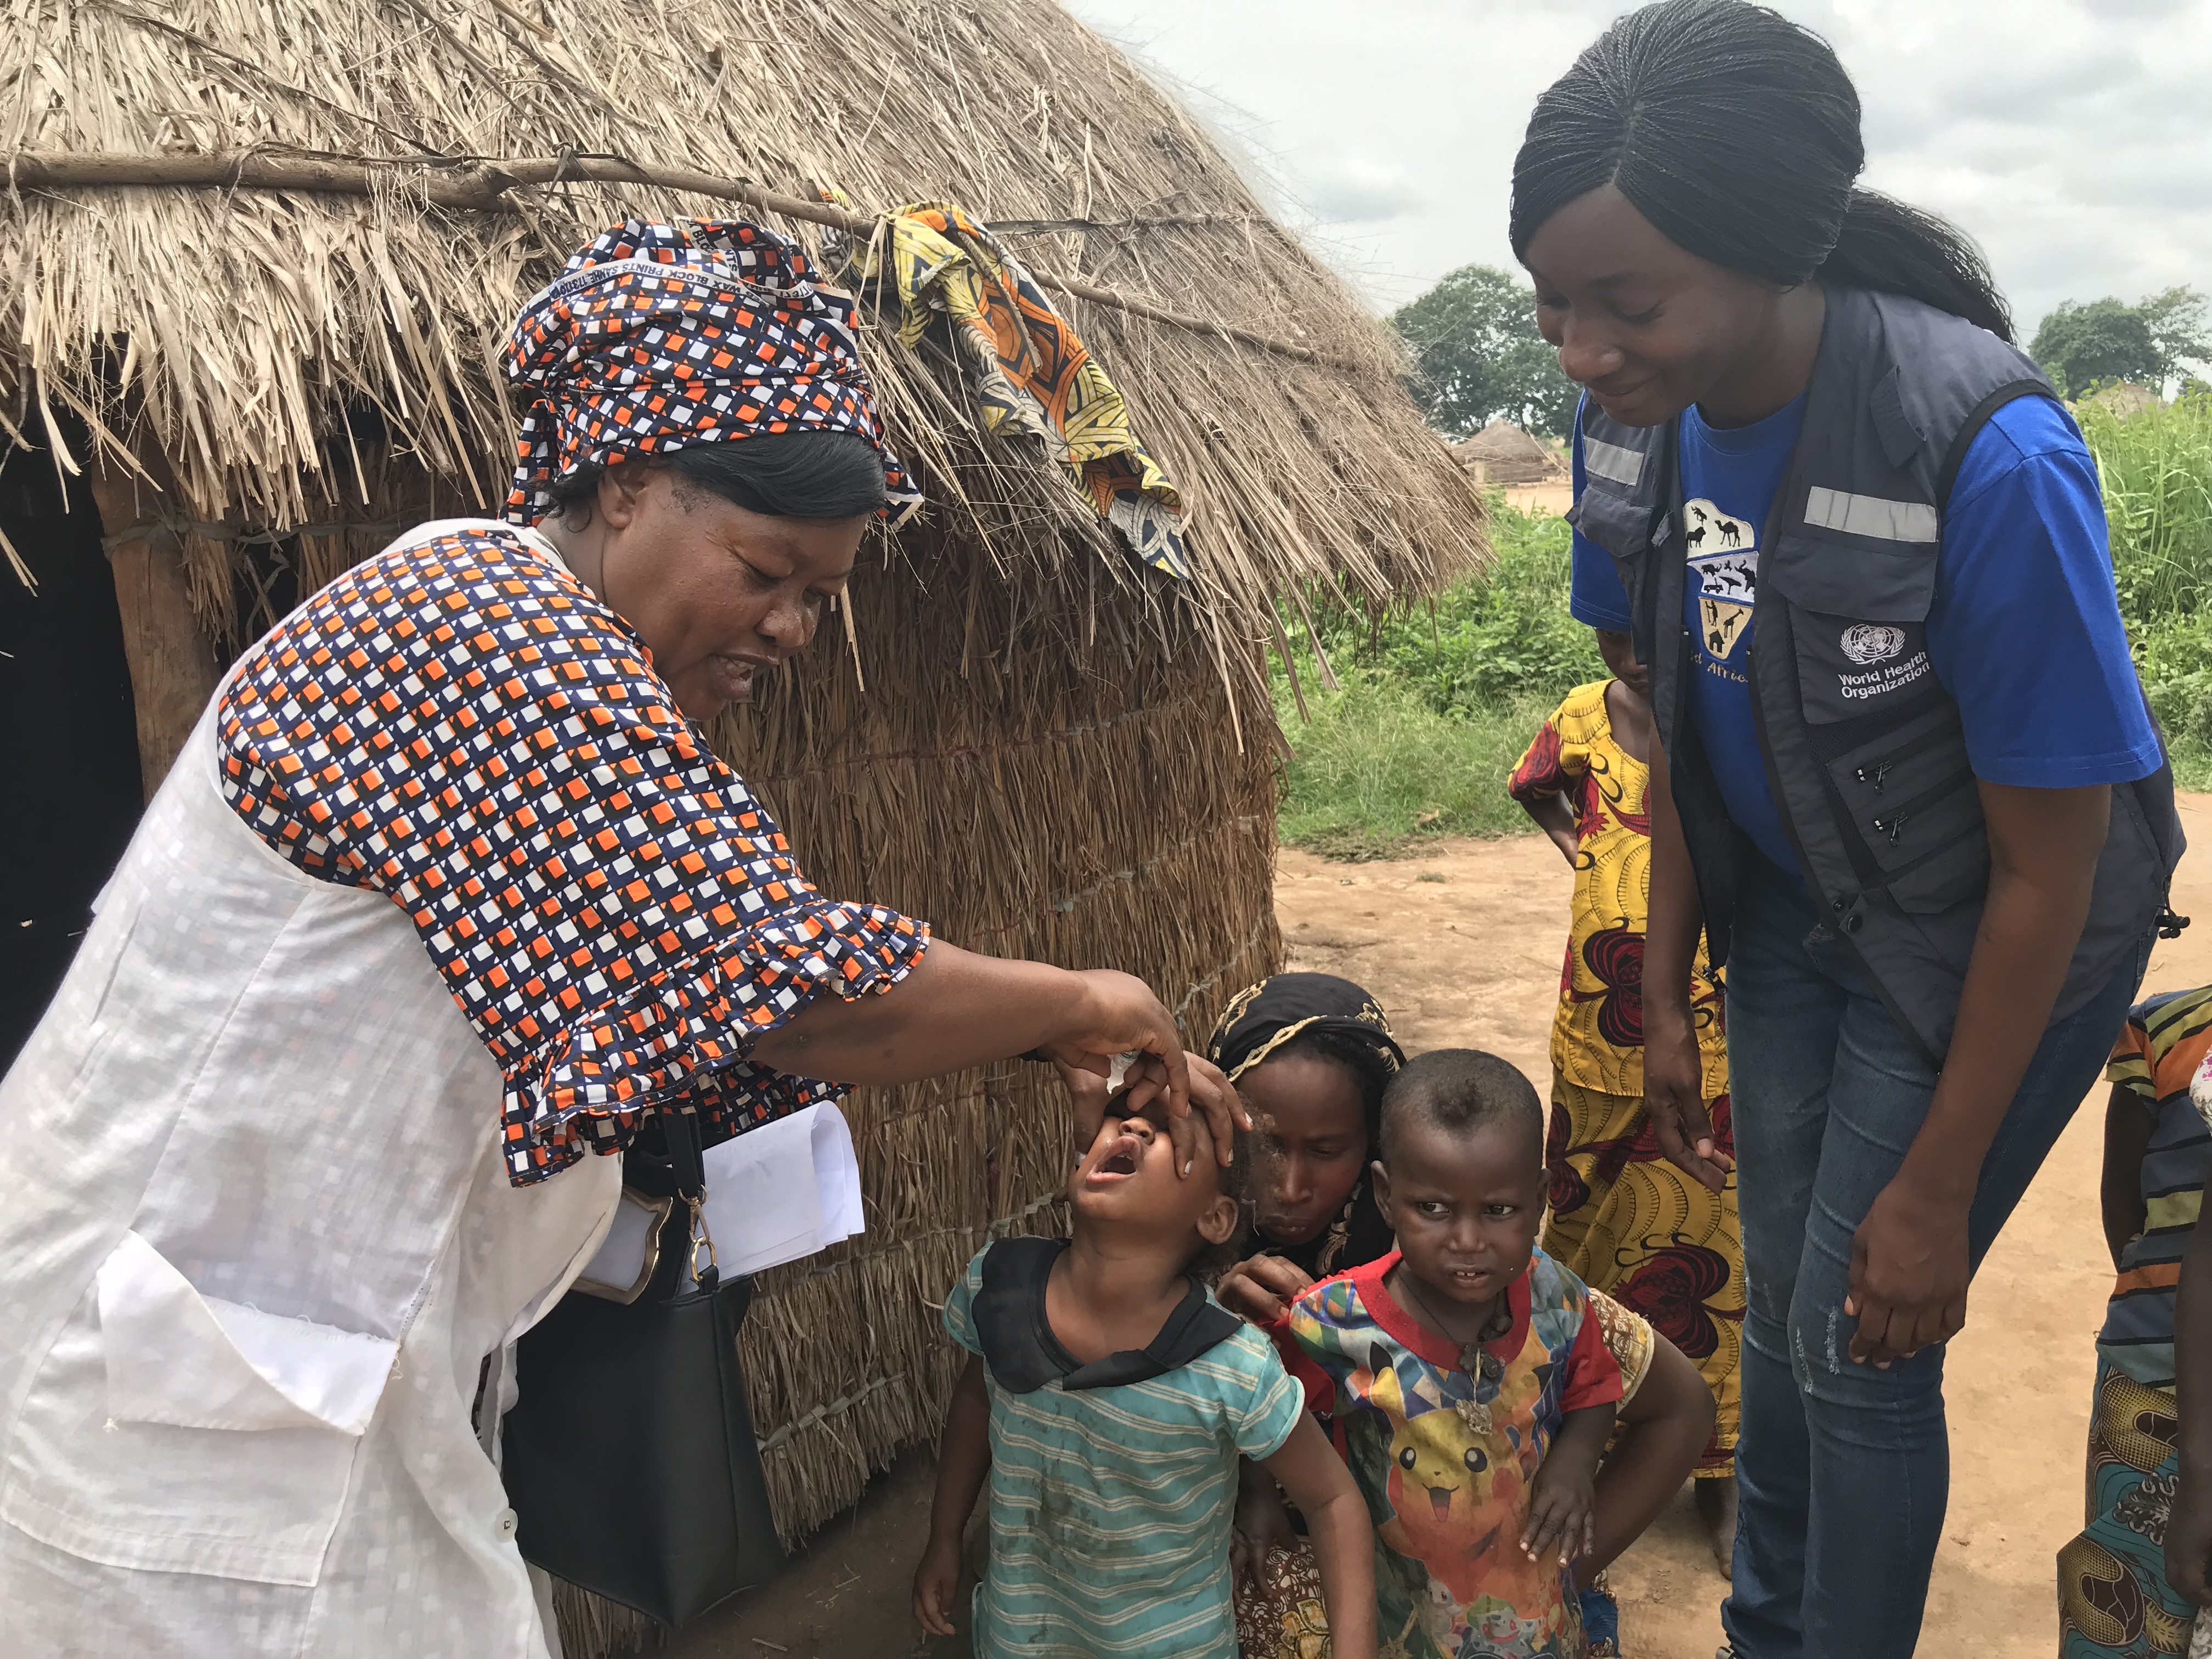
(1437, 703)
(2155, 468)
(1434, 705)
(1378, 772)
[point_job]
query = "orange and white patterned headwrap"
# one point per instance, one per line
(657, 338)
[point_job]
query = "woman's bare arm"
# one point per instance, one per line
(1674, 1072)
(958, 1009)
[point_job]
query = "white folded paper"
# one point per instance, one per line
(783, 1191)
(773, 1194)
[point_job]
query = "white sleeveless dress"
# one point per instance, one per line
(267, 1233)
(259, 1240)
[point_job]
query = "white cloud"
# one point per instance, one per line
(2068, 136)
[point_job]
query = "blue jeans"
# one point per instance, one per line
(1842, 1470)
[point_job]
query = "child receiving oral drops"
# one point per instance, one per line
(1107, 1399)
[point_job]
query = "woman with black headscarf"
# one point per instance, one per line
(444, 894)
(1311, 1055)
(1905, 779)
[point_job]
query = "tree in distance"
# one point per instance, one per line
(1477, 356)
(2082, 347)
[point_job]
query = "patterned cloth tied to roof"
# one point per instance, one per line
(1029, 372)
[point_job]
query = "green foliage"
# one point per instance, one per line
(2179, 328)
(1377, 770)
(2084, 346)
(1477, 355)
(2080, 346)
(2155, 468)
(1435, 704)
(1485, 642)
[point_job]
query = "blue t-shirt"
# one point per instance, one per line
(2024, 632)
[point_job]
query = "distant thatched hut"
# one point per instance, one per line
(1503, 453)
(1055, 753)
(2125, 397)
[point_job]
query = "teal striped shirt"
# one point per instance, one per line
(1110, 1508)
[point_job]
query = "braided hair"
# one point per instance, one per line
(1735, 133)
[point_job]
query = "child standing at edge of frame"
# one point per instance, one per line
(1467, 1379)
(1623, 1217)
(1108, 1399)
(2115, 1599)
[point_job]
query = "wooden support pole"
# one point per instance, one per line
(174, 670)
(485, 187)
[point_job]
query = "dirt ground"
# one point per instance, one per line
(1554, 498)
(1462, 946)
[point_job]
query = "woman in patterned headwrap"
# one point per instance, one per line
(444, 892)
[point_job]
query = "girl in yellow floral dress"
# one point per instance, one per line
(1623, 1219)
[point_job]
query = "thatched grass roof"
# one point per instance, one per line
(264, 341)
(1503, 453)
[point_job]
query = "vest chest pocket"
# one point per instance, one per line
(1612, 520)
(1860, 622)
(1877, 717)
(1622, 527)
(1907, 791)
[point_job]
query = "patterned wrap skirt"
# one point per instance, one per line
(1629, 1223)
(2113, 1599)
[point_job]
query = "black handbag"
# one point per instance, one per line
(630, 1457)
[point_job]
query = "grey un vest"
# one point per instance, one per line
(1864, 749)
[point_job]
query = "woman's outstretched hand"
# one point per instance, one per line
(955, 1009)
(1675, 1094)
(1147, 1081)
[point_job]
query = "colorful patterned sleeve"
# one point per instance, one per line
(460, 725)
(1628, 1337)
(1594, 1375)
(1558, 758)
(1539, 775)
(2131, 1065)
(1303, 1340)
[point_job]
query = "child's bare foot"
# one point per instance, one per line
(1715, 1500)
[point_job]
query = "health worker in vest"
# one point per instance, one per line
(1908, 782)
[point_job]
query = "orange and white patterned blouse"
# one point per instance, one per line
(460, 725)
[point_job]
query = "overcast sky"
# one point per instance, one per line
(2068, 136)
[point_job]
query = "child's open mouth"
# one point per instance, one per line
(1119, 1164)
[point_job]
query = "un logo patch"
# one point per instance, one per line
(1872, 642)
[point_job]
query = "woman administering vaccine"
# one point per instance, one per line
(1905, 779)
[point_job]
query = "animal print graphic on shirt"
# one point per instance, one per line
(1724, 565)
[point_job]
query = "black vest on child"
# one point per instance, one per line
(1863, 748)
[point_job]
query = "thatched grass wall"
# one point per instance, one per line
(1055, 754)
